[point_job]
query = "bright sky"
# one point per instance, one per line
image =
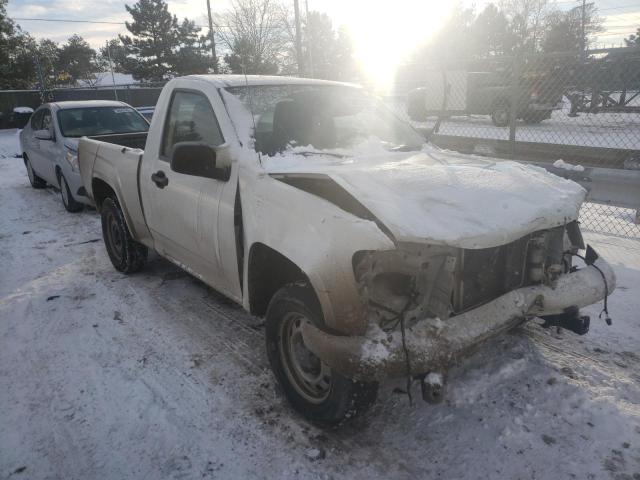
(381, 29)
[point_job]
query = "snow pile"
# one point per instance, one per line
(443, 197)
(9, 143)
(567, 166)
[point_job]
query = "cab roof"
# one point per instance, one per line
(224, 81)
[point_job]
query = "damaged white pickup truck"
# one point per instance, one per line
(371, 253)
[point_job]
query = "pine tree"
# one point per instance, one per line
(17, 67)
(154, 38)
(191, 57)
(76, 60)
(160, 47)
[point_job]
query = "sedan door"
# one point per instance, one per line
(31, 145)
(49, 149)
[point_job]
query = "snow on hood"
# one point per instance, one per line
(443, 197)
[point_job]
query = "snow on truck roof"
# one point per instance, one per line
(224, 81)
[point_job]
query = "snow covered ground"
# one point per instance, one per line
(157, 376)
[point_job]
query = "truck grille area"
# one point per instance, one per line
(419, 281)
(485, 274)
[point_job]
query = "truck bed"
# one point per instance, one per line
(106, 164)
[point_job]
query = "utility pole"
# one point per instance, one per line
(213, 40)
(583, 38)
(309, 39)
(113, 78)
(299, 55)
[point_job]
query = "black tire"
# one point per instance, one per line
(127, 255)
(500, 113)
(536, 117)
(332, 398)
(68, 201)
(34, 179)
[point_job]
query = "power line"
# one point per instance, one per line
(68, 20)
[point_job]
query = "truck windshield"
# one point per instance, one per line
(322, 118)
(80, 122)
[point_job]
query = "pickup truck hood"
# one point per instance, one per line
(447, 198)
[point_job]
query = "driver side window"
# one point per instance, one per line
(190, 119)
(46, 120)
(36, 120)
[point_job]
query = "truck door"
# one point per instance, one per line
(182, 210)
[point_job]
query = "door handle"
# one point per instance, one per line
(160, 179)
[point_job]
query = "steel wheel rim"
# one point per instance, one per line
(310, 377)
(114, 236)
(64, 191)
(502, 116)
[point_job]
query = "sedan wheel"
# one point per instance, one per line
(34, 179)
(68, 201)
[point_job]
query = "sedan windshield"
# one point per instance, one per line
(80, 122)
(321, 118)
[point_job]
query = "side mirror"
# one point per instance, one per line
(42, 134)
(197, 159)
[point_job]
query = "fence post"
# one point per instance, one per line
(516, 73)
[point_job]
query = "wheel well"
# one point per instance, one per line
(58, 172)
(101, 190)
(268, 272)
(500, 101)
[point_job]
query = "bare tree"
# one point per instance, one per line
(255, 32)
(527, 19)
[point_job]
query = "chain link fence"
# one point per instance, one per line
(536, 108)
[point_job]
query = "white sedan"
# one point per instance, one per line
(49, 141)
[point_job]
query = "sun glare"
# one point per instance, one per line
(385, 33)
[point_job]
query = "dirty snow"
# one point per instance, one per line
(157, 376)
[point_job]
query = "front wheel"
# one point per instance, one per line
(127, 255)
(500, 113)
(536, 116)
(311, 386)
(68, 201)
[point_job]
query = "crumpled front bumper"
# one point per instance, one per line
(433, 345)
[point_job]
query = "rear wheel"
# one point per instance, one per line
(500, 113)
(311, 386)
(127, 255)
(34, 179)
(536, 116)
(68, 201)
